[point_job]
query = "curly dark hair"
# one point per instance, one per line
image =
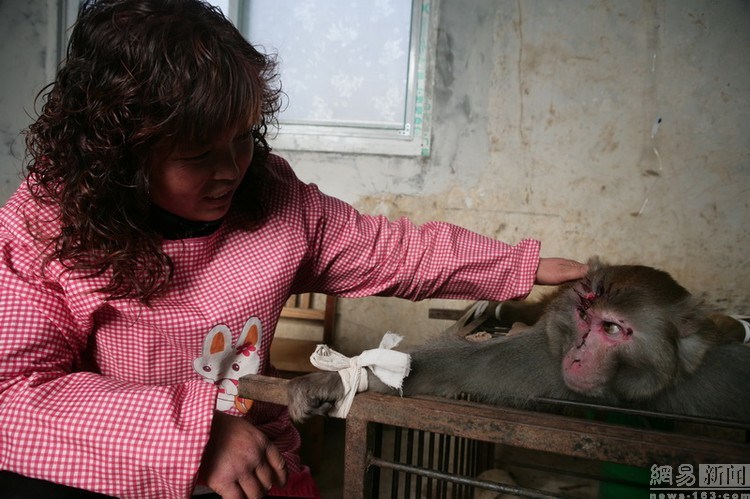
(138, 73)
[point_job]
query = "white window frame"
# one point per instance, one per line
(412, 140)
(66, 11)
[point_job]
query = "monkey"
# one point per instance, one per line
(624, 335)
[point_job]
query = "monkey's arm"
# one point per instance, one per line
(496, 371)
(507, 369)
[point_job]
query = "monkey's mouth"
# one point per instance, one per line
(592, 388)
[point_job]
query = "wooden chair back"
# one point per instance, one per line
(290, 353)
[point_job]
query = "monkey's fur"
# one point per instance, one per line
(624, 335)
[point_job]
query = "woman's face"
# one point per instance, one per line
(197, 181)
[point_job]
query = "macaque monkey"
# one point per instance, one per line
(623, 335)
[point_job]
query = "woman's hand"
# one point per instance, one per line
(553, 271)
(240, 462)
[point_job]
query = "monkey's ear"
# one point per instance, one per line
(692, 317)
(696, 333)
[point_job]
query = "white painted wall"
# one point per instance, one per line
(544, 127)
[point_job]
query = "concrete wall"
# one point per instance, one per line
(24, 71)
(617, 129)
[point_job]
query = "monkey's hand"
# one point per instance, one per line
(313, 394)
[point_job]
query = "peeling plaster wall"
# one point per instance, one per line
(545, 118)
(544, 126)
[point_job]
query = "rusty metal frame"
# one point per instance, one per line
(540, 431)
(527, 429)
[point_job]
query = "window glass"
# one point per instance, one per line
(342, 63)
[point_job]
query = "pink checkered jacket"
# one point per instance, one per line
(117, 397)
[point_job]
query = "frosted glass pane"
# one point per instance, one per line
(341, 62)
(222, 4)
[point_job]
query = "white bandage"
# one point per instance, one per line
(745, 321)
(390, 366)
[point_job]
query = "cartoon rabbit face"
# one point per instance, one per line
(245, 359)
(216, 349)
(223, 365)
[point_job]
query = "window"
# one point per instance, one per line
(357, 74)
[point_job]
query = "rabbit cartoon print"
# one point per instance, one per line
(223, 364)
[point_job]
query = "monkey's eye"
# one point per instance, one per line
(611, 328)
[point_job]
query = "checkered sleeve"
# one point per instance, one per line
(82, 429)
(358, 255)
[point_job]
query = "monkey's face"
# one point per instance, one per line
(617, 321)
(591, 359)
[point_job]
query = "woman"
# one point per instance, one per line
(149, 253)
